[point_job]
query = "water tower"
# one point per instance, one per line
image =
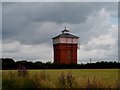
(65, 48)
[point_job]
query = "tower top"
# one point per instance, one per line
(65, 30)
(65, 34)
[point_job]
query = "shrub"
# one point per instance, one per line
(44, 76)
(22, 71)
(62, 80)
(66, 81)
(70, 79)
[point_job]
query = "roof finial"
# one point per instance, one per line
(65, 28)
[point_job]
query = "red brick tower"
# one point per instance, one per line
(65, 48)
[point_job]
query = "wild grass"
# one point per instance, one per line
(70, 78)
(0, 79)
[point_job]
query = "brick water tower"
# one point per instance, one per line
(65, 48)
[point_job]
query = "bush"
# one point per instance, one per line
(66, 81)
(22, 71)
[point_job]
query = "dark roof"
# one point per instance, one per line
(65, 31)
(65, 35)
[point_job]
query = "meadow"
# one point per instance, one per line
(0, 79)
(61, 78)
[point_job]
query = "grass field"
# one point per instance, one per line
(0, 79)
(63, 78)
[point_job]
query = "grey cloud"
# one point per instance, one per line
(0, 21)
(16, 21)
(97, 47)
(21, 20)
(36, 23)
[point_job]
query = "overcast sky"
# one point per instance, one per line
(28, 28)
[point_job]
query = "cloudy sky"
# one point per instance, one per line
(28, 28)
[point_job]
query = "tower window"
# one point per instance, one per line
(69, 55)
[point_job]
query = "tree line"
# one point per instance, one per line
(11, 64)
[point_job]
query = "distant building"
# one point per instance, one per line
(65, 48)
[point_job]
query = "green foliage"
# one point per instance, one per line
(10, 64)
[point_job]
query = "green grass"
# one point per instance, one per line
(99, 78)
(0, 79)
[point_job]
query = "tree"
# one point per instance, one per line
(8, 63)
